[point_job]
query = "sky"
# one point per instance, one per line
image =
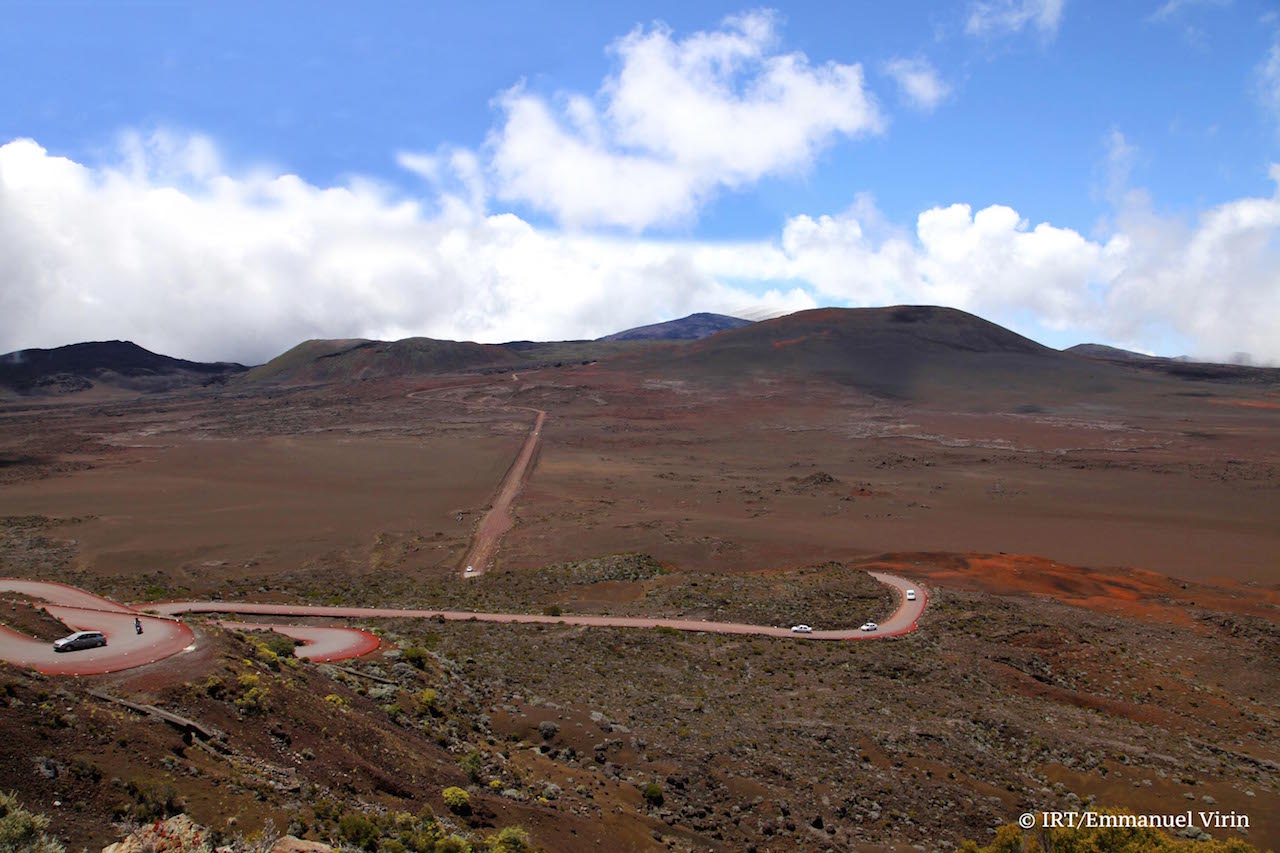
(221, 181)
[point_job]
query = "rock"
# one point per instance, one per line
(178, 834)
(292, 844)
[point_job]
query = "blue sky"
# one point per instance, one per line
(792, 168)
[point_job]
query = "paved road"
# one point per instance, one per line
(319, 643)
(84, 611)
(163, 636)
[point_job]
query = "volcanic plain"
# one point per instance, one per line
(1100, 542)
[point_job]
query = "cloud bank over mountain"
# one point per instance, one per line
(546, 230)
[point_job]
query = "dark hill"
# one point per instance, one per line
(693, 327)
(899, 352)
(117, 364)
(1108, 353)
(350, 360)
(320, 361)
(1181, 367)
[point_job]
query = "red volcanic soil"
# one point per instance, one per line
(1131, 593)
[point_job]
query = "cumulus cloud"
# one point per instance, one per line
(1216, 283)
(1006, 17)
(918, 82)
(165, 247)
(679, 120)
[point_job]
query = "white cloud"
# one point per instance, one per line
(1172, 8)
(1006, 17)
(679, 120)
(1216, 283)
(204, 264)
(918, 82)
(207, 265)
(1267, 77)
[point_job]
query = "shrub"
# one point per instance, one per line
(458, 800)
(359, 831)
(427, 701)
(268, 657)
(552, 610)
(652, 794)
(416, 657)
(254, 698)
(548, 729)
(511, 839)
(24, 832)
(472, 764)
(280, 644)
(453, 844)
(152, 800)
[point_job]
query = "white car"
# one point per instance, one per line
(470, 569)
(870, 626)
(911, 595)
(80, 640)
(801, 629)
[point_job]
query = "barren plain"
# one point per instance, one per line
(1102, 627)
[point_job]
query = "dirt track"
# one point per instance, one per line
(497, 520)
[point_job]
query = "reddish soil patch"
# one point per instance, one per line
(1128, 592)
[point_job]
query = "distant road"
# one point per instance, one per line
(497, 520)
(163, 637)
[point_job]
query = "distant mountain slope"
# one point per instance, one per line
(355, 359)
(901, 352)
(116, 364)
(1181, 367)
(1104, 351)
(350, 360)
(693, 327)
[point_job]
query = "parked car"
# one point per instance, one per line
(870, 626)
(801, 629)
(80, 640)
(911, 595)
(470, 569)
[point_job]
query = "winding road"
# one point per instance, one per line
(164, 635)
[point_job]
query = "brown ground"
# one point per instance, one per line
(1104, 622)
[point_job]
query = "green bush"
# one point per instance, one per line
(453, 844)
(152, 800)
(416, 657)
(24, 832)
(428, 700)
(511, 839)
(359, 831)
(473, 765)
(458, 800)
(652, 794)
